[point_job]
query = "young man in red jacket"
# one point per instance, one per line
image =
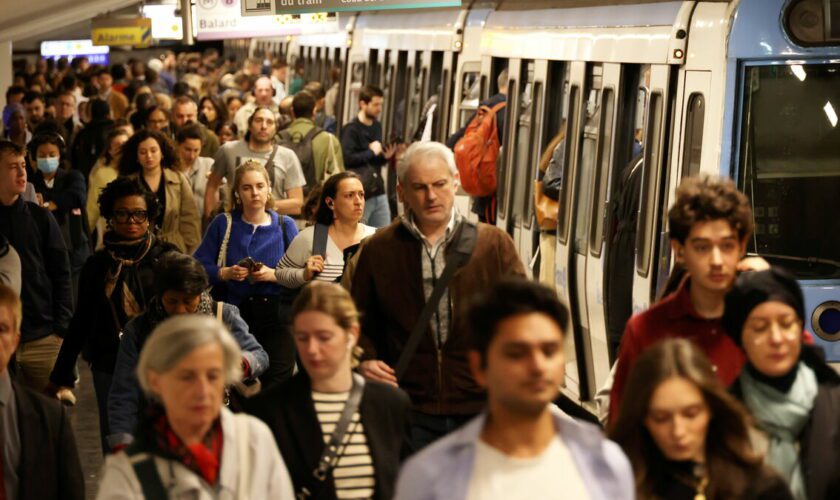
(710, 224)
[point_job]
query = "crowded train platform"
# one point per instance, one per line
(431, 250)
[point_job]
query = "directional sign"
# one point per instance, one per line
(269, 7)
(221, 19)
(122, 31)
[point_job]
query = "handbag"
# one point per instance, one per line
(219, 291)
(545, 208)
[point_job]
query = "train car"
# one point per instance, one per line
(653, 91)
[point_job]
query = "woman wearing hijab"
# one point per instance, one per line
(793, 395)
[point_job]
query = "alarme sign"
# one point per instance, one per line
(268, 7)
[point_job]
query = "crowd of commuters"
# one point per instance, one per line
(197, 231)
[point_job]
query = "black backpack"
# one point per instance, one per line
(302, 146)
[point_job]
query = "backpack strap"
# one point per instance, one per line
(319, 241)
(269, 165)
(457, 258)
(312, 133)
(147, 474)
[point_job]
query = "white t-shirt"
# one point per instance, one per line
(553, 475)
(288, 174)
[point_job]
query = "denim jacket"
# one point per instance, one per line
(443, 470)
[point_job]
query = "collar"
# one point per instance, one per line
(6, 391)
(681, 305)
(408, 221)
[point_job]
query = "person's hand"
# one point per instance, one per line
(378, 371)
(314, 266)
(51, 390)
(40, 199)
(263, 274)
(389, 151)
(752, 264)
(376, 147)
(233, 273)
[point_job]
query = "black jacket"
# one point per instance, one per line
(94, 328)
(46, 292)
(89, 144)
(290, 414)
(355, 145)
(49, 462)
(819, 450)
(69, 193)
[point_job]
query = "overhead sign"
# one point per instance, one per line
(268, 7)
(122, 31)
(222, 19)
(71, 49)
(165, 24)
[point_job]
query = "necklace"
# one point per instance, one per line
(702, 483)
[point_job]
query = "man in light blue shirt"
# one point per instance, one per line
(522, 447)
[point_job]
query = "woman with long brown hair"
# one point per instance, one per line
(685, 435)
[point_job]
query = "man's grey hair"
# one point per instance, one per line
(502, 80)
(177, 337)
(422, 150)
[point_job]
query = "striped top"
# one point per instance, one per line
(353, 474)
(291, 268)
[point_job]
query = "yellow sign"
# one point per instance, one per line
(136, 32)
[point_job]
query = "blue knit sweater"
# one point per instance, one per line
(265, 244)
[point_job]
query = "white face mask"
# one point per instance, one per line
(48, 165)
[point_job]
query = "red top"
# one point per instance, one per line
(674, 317)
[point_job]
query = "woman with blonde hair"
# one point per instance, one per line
(240, 251)
(342, 436)
(188, 445)
(685, 435)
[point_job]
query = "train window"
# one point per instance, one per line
(602, 169)
(399, 100)
(650, 175)
(789, 165)
(812, 22)
(565, 190)
(588, 155)
(374, 68)
(523, 143)
(358, 78)
(693, 135)
(470, 97)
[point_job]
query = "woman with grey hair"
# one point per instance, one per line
(188, 445)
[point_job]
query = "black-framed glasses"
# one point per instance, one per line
(135, 216)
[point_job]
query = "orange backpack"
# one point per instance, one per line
(476, 153)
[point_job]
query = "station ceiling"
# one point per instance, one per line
(35, 19)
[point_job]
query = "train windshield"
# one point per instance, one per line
(790, 165)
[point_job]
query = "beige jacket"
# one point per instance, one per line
(181, 222)
(252, 468)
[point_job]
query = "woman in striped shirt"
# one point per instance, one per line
(304, 412)
(340, 210)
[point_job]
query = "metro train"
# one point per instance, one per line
(746, 88)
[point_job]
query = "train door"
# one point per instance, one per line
(449, 64)
(651, 238)
(355, 80)
(525, 154)
(574, 91)
(504, 178)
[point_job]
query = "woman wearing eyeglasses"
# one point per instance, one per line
(116, 284)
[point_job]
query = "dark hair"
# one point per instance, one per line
(232, 126)
(706, 198)
(316, 89)
(99, 110)
(128, 160)
(303, 104)
(118, 72)
(12, 148)
(279, 63)
(191, 131)
(254, 115)
(730, 461)
(145, 114)
(180, 273)
(221, 110)
(324, 215)
(49, 137)
(368, 92)
(183, 100)
(33, 96)
(123, 187)
(14, 90)
(511, 297)
(106, 152)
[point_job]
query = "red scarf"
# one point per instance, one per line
(204, 458)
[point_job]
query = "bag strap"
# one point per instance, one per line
(147, 474)
(269, 164)
(319, 241)
(220, 308)
(458, 257)
(220, 262)
(335, 447)
(312, 133)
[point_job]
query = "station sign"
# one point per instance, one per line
(71, 49)
(222, 19)
(268, 7)
(136, 32)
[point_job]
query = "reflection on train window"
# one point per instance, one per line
(652, 162)
(789, 165)
(470, 97)
(399, 87)
(694, 135)
(596, 235)
(588, 155)
(523, 155)
(415, 96)
(374, 68)
(502, 182)
(571, 93)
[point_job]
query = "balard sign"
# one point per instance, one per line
(270, 7)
